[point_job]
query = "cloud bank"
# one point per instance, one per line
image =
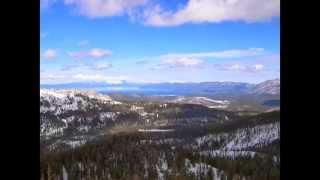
(214, 11)
(194, 11)
(104, 8)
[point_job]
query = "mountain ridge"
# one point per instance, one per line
(271, 87)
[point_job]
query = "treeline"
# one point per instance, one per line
(246, 122)
(257, 168)
(125, 157)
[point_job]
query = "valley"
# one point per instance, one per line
(90, 135)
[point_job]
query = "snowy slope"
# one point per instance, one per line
(67, 111)
(211, 103)
(271, 87)
(243, 139)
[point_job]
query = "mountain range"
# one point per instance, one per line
(269, 87)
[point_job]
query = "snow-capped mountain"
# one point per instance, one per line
(75, 113)
(50, 94)
(74, 117)
(72, 111)
(271, 87)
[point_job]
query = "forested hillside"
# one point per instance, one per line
(185, 141)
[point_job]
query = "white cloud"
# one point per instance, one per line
(49, 54)
(181, 62)
(86, 67)
(236, 67)
(194, 11)
(79, 75)
(200, 59)
(93, 53)
(100, 78)
(258, 67)
(98, 53)
(52, 77)
(104, 8)
(241, 67)
(214, 11)
(78, 54)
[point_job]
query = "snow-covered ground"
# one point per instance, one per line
(172, 141)
(64, 93)
(212, 100)
(74, 143)
(57, 107)
(267, 87)
(218, 106)
(211, 103)
(162, 168)
(202, 168)
(254, 137)
(51, 131)
(155, 130)
(243, 138)
(64, 100)
(228, 154)
(230, 144)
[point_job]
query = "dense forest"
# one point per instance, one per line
(174, 155)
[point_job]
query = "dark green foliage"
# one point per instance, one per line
(135, 156)
(125, 157)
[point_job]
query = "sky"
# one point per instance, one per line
(152, 41)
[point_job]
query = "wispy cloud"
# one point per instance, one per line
(100, 78)
(49, 54)
(234, 67)
(104, 8)
(83, 43)
(172, 66)
(181, 62)
(233, 53)
(237, 67)
(214, 11)
(202, 59)
(93, 53)
(142, 62)
(101, 66)
(70, 67)
(80, 74)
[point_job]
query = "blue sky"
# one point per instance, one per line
(159, 41)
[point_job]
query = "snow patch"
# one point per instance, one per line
(155, 130)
